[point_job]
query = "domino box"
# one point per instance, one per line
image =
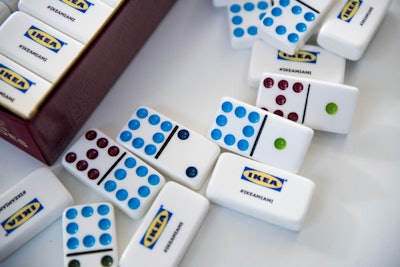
(46, 135)
(260, 191)
(168, 228)
(29, 207)
(89, 235)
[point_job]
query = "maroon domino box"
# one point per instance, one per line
(49, 132)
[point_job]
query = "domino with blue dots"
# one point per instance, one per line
(177, 151)
(321, 105)
(244, 18)
(114, 172)
(260, 135)
(89, 235)
(288, 24)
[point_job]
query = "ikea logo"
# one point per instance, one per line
(22, 215)
(262, 179)
(80, 5)
(156, 228)
(301, 56)
(44, 39)
(14, 79)
(349, 10)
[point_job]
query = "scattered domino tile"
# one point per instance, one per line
(112, 171)
(350, 26)
(168, 228)
(311, 62)
(288, 24)
(244, 18)
(260, 191)
(34, 207)
(317, 104)
(181, 153)
(89, 236)
(261, 135)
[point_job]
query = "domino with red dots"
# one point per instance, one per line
(108, 168)
(321, 105)
(244, 18)
(260, 135)
(175, 150)
(288, 24)
(89, 235)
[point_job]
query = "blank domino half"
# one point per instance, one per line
(168, 228)
(260, 191)
(288, 24)
(350, 26)
(312, 61)
(261, 135)
(89, 236)
(29, 207)
(112, 171)
(179, 152)
(317, 104)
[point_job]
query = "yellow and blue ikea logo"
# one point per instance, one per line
(301, 56)
(44, 39)
(349, 10)
(262, 179)
(80, 5)
(22, 215)
(156, 228)
(14, 79)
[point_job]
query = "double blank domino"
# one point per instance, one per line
(260, 191)
(167, 229)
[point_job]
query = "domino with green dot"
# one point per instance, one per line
(263, 136)
(320, 105)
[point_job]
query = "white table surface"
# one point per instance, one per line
(182, 71)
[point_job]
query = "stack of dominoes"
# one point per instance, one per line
(156, 165)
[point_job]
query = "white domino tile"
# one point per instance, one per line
(175, 150)
(290, 23)
(109, 169)
(29, 207)
(244, 18)
(37, 46)
(260, 191)
(312, 61)
(317, 104)
(89, 235)
(80, 20)
(255, 133)
(351, 25)
(168, 229)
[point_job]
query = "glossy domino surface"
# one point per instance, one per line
(244, 18)
(320, 105)
(260, 191)
(108, 168)
(181, 153)
(289, 23)
(89, 234)
(263, 136)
